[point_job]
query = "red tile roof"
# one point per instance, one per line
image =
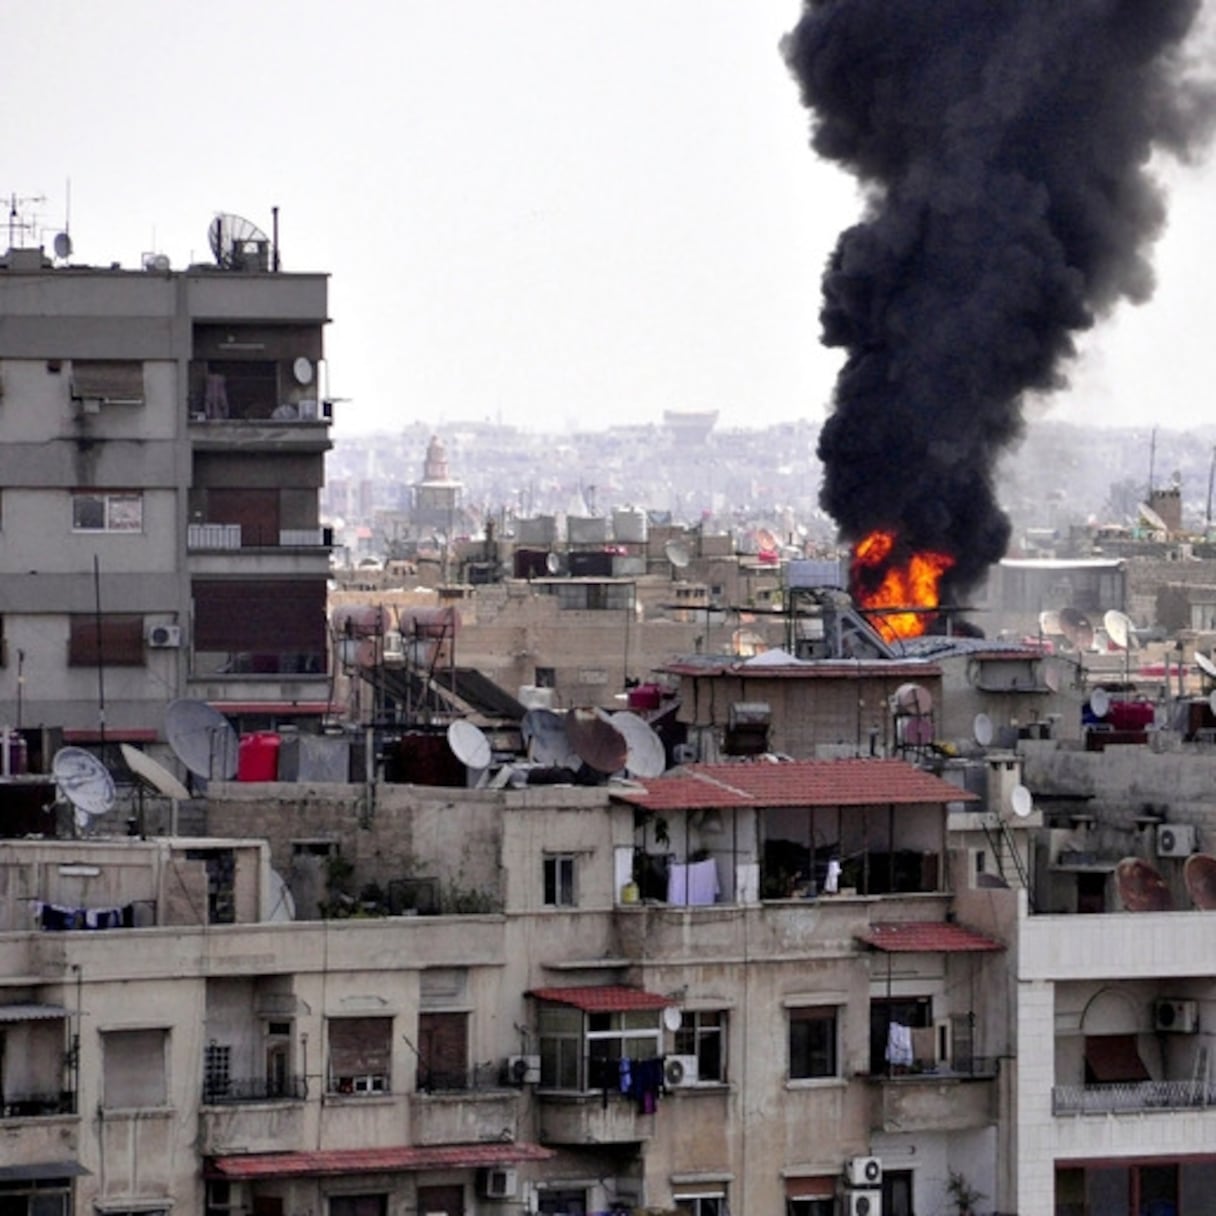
(800, 783)
(927, 937)
(403, 1158)
(603, 998)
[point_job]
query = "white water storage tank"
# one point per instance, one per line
(629, 525)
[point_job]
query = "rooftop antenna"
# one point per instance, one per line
(1152, 460)
(15, 222)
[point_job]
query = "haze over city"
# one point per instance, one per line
(550, 214)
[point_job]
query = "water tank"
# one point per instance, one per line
(629, 525)
(258, 757)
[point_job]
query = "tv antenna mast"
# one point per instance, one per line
(17, 222)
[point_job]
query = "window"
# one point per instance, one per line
(278, 1059)
(359, 1205)
(561, 1046)
(810, 1207)
(443, 1051)
(703, 1034)
(36, 1196)
(702, 1205)
(565, 1202)
(217, 1071)
(115, 639)
(115, 511)
(559, 881)
(812, 1042)
(897, 1192)
(360, 1055)
(133, 1068)
(915, 1045)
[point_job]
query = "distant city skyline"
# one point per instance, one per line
(557, 215)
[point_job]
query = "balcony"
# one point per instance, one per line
(1132, 1097)
(255, 1089)
(253, 1124)
(591, 1118)
(464, 1108)
(938, 1100)
(227, 537)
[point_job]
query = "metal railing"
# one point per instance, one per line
(450, 1080)
(1131, 1097)
(254, 1089)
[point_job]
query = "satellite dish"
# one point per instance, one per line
(673, 1019)
(1199, 874)
(913, 699)
(645, 755)
(302, 370)
(981, 729)
(597, 742)
(236, 243)
(1118, 628)
(1151, 518)
(84, 781)
(1049, 621)
(677, 553)
(1206, 665)
(1099, 702)
(282, 903)
(1076, 627)
(544, 735)
(1051, 677)
(63, 245)
(1021, 802)
(553, 563)
(469, 744)
(915, 730)
(156, 775)
(1141, 888)
(202, 739)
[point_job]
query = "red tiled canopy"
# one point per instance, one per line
(404, 1158)
(927, 937)
(799, 783)
(610, 998)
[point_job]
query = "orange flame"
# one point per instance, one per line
(877, 584)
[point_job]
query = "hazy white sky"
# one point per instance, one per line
(551, 212)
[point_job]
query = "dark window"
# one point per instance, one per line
(812, 1042)
(360, 1055)
(562, 1202)
(115, 639)
(435, 1201)
(358, 1205)
(220, 865)
(914, 1013)
(113, 511)
(546, 677)
(559, 881)
(810, 1207)
(443, 1051)
(271, 617)
(36, 1196)
(217, 1071)
(703, 1034)
(897, 1192)
(255, 512)
(702, 1205)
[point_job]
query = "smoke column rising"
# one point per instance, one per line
(1004, 148)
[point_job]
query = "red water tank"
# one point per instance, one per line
(645, 696)
(258, 757)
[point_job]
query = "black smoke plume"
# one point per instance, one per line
(1004, 149)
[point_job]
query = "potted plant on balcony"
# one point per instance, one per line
(962, 1194)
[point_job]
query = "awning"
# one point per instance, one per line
(41, 1171)
(1114, 1057)
(927, 937)
(403, 1159)
(281, 709)
(29, 1012)
(812, 1186)
(609, 998)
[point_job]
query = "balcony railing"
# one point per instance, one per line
(254, 1089)
(451, 1080)
(1131, 1097)
(232, 536)
(37, 1106)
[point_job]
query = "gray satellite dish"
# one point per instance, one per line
(302, 370)
(156, 775)
(1099, 702)
(677, 553)
(1206, 665)
(544, 735)
(1118, 628)
(202, 739)
(1020, 801)
(553, 563)
(645, 755)
(84, 781)
(63, 245)
(469, 744)
(912, 699)
(596, 741)
(981, 729)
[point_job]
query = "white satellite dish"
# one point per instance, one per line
(1205, 665)
(645, 755)
(1212, 700)
(1049, 621)
(981, 729)
(553, 563)
(1118, 627)
(1099, 702)
(673, 1019)
(155, 774)
(1151, 518)
(1051, 677)
(283, 904)
(677, 553)
(1020, 801)
(202, 739)
(302, 370)
(469, 744)
(84, 781)
(912, 699)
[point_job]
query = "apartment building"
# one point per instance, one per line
(161, 443)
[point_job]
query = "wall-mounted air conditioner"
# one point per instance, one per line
(1175, 839)
(523, 1070)
(499, 1184)
(1174, 1016)
(863, 1203)
(680, 1071)
(863, 1171)
(164, 636)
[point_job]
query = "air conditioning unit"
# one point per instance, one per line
(393, 648)
(523, 1070)
(863, 1203)
(1175, 1016)
(863, 1171)
(499, 1184)
(164, 636)
(679, 1071)
(1175, 839)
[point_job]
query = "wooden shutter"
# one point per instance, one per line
(122, 640)
(360, 1047)
(275, 617)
